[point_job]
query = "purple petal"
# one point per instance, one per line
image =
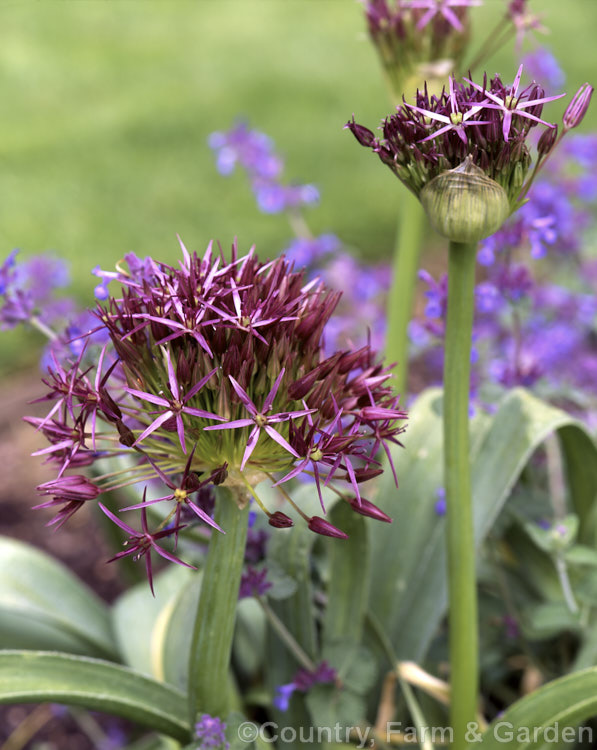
(180, 431)
(201, 413)
(157, 423)
(148, 397)
(172, 381)
(117, 521)
(280, 440)
(204, 516)
(269, 400)
(251, 443)
(244, 397)
(198, 386)
(231, 425)
(452, 18)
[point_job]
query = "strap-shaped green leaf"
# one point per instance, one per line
(408, 595)
(44, 606)
(41, 676)
(566, 702)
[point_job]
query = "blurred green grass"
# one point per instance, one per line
(108, 105)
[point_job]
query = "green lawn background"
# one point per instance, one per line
(107, 105)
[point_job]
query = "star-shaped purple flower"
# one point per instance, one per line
(260, 419)
(441, 7)
(510, 104)
(175, 406)
(140, 544)
(456, 121)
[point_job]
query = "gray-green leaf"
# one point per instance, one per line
(39, 677)
(44, 606)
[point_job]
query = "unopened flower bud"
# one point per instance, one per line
(280, 520)
(127, 437)
(367, 508)
(577, 108)
(363, 135)
(546, 141)
(464, 204)
(320, 526)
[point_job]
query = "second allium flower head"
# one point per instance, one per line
(465, 153)
(215, 374)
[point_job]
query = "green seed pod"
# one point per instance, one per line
(465, 205)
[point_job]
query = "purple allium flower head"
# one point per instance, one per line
(411, 35)
(446, 9)
(469, 129)
(523, 20)
(215, 373)
(211, 732)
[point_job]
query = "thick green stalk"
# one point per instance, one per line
(404, 282)
(460, 538)
(214, 623)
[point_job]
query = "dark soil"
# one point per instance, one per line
(79, 545)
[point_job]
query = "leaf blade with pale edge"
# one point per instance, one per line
(44, 606)
(135, 614)
(42, 676)
(567, 701)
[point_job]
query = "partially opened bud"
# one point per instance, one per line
(464, 204)
(577, 108)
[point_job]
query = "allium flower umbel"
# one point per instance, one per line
(215, 374)
(465, 153)
(418, 38)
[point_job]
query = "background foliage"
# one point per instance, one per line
(108, 105)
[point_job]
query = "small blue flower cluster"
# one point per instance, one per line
(528, 330)
(211, 732)
(254, 152)
(28, 288)
(363, 286)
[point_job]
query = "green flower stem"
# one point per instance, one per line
(214, 623)
(460, 538)
(404, 282)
